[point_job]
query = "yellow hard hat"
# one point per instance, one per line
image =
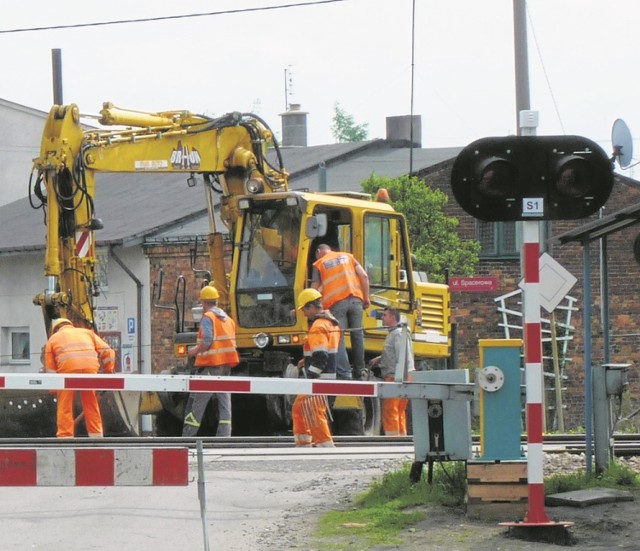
(209, 293)
(57, 323)
(306, 296)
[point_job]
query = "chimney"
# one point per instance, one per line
(399, 131)
(294, 126)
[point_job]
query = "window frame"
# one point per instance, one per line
(8, 335)
(499, 251)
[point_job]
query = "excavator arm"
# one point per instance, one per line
(230, 150)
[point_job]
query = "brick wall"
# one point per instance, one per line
(476, 316)
(173, 259)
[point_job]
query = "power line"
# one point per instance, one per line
(167, 17)
(544, 71)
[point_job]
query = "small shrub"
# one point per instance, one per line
(619, 475)
(447, 488)
(615, 476)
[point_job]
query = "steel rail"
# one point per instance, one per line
(624, 445)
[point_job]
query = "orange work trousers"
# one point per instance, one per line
(394, 416)
(310, 424)
(92, 417)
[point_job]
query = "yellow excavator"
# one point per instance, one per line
(261, 257)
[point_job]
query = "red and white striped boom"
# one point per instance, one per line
(234, 385)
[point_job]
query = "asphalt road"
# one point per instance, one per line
(252, 501)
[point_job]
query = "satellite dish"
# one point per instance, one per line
(622, 143)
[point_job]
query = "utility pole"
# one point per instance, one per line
(56, 67)
(413, 49)
(521, 56)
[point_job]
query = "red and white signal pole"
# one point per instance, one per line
(533, 372)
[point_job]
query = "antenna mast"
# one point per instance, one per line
(288, 86)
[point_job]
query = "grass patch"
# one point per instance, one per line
(393, 503)
(447, 487)
(616, 476)
(390, 505)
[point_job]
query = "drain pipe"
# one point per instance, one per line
(138, 302)
(145, 420)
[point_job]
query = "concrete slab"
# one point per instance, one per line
(585, 498)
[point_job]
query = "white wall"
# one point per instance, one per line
(120, 300)
(20, 135)
(21, 278)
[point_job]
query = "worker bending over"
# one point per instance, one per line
(77, 350)
(215, 354)
(310, 423)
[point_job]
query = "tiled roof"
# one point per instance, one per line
(138, 207)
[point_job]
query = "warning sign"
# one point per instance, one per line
(83, 242)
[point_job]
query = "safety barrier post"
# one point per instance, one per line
(202, 497)
(536, 515)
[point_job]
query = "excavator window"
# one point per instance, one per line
(267, 265)
(386, 260)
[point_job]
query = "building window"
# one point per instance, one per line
(19, 346)
(504, 239)
(498, 239)
(16, 344)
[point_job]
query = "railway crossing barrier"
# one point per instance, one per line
(234, 385)
(103, 466)
(94, 467)
(125, 467)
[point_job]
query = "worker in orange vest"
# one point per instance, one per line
(310, 423)
(215, 354)
(345, 292)
(394, 418)
(77, 350)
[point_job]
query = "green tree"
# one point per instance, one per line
(345, 129)
(434, 239)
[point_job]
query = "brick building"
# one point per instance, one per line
(476, 315)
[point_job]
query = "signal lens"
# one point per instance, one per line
(497, 178)
(574, 178)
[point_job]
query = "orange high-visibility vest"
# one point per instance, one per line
(78, 350)
(322, 341)
(338, 277)
(223, 348)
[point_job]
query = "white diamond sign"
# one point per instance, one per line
(555, 282)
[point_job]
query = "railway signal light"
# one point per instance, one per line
(532, 178)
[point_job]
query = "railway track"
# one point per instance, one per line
(625, 444)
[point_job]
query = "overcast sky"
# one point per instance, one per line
(354, 52)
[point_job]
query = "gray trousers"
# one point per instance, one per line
(198, 401)
(348, 312)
